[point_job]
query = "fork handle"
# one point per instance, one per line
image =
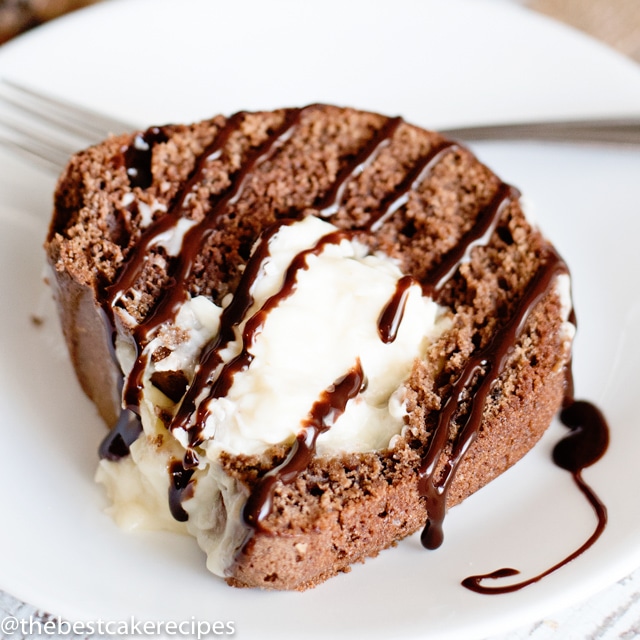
(611, 130)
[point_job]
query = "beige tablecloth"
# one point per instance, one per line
(616, 22)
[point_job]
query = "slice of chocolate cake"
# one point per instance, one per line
(311, 331)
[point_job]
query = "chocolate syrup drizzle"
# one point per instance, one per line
(121, 436)
(137, 157)
(254, 325)
(180, 481)
(326, 410)
(414, 178)
(479, 235)
(330, 203)
(168, 305)
(391, 316)
(482, 369)
(231, 317)
(488, 363)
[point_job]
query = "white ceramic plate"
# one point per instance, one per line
(437, 64)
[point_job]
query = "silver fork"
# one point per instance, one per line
(50, 130)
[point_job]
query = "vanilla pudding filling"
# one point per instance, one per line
(327, 324)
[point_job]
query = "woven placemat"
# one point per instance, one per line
(615, 22)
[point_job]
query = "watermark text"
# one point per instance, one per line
(192, 628)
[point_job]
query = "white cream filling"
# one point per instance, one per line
(567, 329)
(145, 210)
(137, 487)
(313, 338)
(309, 340)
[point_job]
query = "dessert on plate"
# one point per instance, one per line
(311, 331)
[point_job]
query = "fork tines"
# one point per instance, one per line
(47, 128)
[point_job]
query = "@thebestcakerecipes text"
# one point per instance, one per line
(32, 626)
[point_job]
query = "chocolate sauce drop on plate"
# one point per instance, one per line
(585, 445)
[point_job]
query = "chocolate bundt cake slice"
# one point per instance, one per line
(310, 331)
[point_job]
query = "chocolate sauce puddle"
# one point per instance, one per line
(585, 445)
